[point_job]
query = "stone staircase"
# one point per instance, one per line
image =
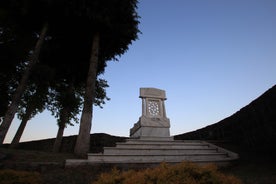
(143, 151)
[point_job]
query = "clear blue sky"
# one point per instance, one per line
(212, 57)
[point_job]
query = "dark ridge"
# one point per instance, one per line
(252, 128)
(97, 142)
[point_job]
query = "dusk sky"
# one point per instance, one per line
(212, 57)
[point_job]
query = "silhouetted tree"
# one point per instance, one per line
(21, 87)
(67, 103)
(65, 106)
(23, 15)
(113, 25)
(34, 99)
(102, 31)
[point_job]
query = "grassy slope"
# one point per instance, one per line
(50, 165)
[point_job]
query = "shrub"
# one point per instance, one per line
(183, 173)
(23, 177)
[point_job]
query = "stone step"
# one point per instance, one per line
(155, 158)
(163, 151)
(157, 151)
(162, 145)
(153, 138)
(142, 141)
(129, 164)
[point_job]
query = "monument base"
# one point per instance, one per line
(151, 132)
(151, 127)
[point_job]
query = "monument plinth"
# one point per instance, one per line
(153, 123)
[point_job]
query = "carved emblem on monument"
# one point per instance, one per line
(153, 108)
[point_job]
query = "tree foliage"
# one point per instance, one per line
(78, 38)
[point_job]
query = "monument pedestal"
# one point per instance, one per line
(151, 128)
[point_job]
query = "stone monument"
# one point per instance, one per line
(150, 141)
(153, 124)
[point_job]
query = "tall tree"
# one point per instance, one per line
(67, 102)
(70, 77)
(83, 140)
(66, 107)
(113, 25)
(4, 127)
(25, 15)
(34, 99)
(14, 47)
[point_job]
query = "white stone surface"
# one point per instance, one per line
(152, 93)
(151, 131)
(153, 151)
(149, 151)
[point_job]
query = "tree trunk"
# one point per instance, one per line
(58, 140)
(20, 129)
(83, 140)
(4, 127)
(64, 119)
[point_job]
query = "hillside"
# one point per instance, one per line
(97, 142)
(252, 128)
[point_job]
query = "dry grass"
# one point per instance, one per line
(253, 170)
(18, 155)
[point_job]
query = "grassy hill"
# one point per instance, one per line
(252, 129)
(97, 142)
